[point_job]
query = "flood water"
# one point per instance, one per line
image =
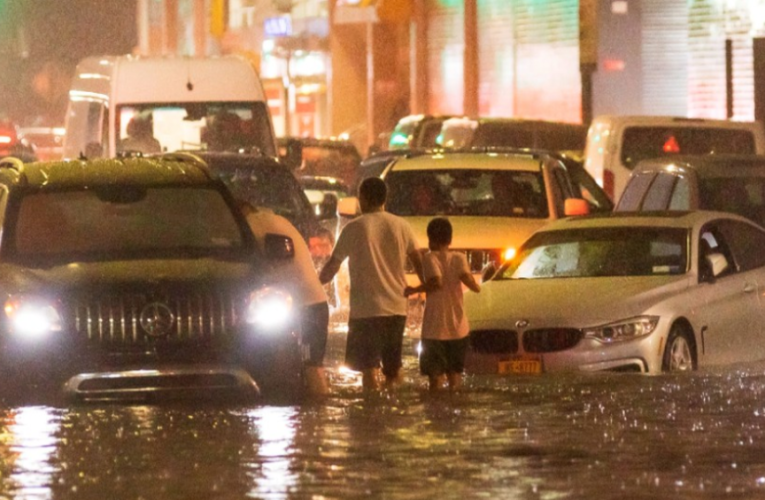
(595, 436)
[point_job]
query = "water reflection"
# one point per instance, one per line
(273, 428)
(29, 435)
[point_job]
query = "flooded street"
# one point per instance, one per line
(585, 436)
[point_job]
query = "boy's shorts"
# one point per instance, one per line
(443, 356)
(375, 340)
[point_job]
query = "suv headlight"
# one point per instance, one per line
(270, 308)
(623, 330)
(32, 317)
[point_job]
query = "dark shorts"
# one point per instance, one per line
(315, 325)
(372, 341)
(440, 357)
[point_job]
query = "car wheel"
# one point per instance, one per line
(680, 353)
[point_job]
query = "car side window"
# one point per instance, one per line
(746, 243)
(564, 188)
(681, 195)
(658, 194)
(635, 191)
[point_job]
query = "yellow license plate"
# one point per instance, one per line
(520, 366)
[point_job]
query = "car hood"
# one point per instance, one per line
(573, 302)
(127, 273)
(481, 232)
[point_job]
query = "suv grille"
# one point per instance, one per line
(551, 339)
(181, 316)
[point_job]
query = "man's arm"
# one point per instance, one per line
(415, 257)
(329, 270)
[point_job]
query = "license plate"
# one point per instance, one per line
(520, 366)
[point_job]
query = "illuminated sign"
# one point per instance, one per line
(278, 26)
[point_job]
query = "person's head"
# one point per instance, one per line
(439, 233)
(372, 194)
(320, 243)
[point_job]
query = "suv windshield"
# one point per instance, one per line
(621, 251)
(641, 143)
(498, 193)
(125, 221)
(205, 126)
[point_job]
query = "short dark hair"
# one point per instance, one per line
(374, 191)
(439, 231)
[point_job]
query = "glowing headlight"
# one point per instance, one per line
(32, 318)
(508, 254)
(623, 330)
(269, 308)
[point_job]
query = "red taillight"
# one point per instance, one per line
(671, 145)
(608, 183)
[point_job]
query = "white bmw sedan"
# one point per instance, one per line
(646, 293)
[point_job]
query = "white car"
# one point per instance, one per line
(625, 292)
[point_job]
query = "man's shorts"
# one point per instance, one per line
(440, 357)
(315, 326)
(372, 341)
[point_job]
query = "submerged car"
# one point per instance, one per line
(646, 293)
(138, 278)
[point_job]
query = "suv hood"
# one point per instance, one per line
(145, 273)
(481, 232)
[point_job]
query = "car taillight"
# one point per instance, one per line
(608, 183)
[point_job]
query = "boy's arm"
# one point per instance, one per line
(430, 285)
(469, 281)
(415, 257)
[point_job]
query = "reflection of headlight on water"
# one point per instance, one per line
(269, 308)
(32, 318)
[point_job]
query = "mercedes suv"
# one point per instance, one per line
(138, 278)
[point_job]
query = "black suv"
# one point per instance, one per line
(138, 278)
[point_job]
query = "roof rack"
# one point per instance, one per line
(186, 157)
(15, 164)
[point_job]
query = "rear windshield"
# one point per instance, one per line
(744, 196)
(641, 143)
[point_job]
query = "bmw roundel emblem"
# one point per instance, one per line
(522, 323)
(157, 319)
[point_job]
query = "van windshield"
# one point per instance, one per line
(642, 143)
(201, 126)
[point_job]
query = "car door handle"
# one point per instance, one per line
(749, 288)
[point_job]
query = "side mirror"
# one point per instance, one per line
(488, 272)
(293, 156)
(576, 206)
(349, 207)
(278, 247)
(718, 264)
(328, 206)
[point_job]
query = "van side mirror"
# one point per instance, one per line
(576, 206)
(349, 207)
(278, 246)
(293, 155)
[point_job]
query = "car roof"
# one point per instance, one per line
(135, 170)
(228, 160)
(708, 165)
(676, 219)
(668, 120)
(470, 160)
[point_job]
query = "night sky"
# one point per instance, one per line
(42, 42)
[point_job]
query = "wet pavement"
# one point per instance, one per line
(595, 436)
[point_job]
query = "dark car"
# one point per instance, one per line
(726, 183)
(417, 132)
(138, 278)
(265, 182)
(324, 157)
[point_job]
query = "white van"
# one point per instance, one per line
(122, 104)
(615, 144)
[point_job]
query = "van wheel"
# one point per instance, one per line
(680, 353)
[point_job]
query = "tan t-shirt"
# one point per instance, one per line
(297, 275)
(377, 246)
(444, 317)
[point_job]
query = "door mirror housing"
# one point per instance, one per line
(349, 207)
(576, 206)
(278, 247)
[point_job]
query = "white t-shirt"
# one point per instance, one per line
(376, 245)
(444, 317)
(297, 275)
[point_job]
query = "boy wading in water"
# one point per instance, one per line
(444, 325)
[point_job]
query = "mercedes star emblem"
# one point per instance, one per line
(522, 323)
(157, 319)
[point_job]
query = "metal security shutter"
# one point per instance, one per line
(529, 59)
(710, 24)
(665, 57)
(446, 48)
